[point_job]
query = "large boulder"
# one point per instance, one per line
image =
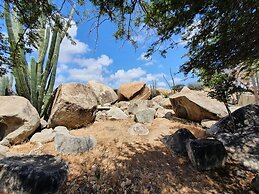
(206, 154)
(32, 174)
(240, 135)
(133, 90)
(246, 99)
(103, 93)
(196, 106)
(74, 106)
(18, 119)
(69, 144)
(177, 141)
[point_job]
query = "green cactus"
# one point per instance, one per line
(6, 84)
(35, 81)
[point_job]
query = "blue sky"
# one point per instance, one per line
(114, 62)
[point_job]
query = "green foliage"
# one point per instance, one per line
(195, 86)
(35, 80)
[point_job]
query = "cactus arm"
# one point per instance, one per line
(70, 17)
(34, 98)
(47, 68)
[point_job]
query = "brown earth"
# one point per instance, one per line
(121, 163)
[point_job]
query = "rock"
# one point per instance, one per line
(255, 183)
(45, 136)
(246, 99)
(177, 141)
(138, 105)
(163, 91)
(123, 105)
(69, 144)
(206, 154)
(243, 139)
(133, 90)
(32, 174)
(103, 93)
(3, 150)
(103, 107)
(138, 129)
(116, 114)
(205, 123)
(101, 116)
(196, 106)
(164, 102)
(18, 119)
(145, 116)
(61, 129)
(74, 106)
(164, 113)
(43, 123)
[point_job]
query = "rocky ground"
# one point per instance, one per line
(122, 163)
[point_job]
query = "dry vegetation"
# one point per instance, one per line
(121, 163)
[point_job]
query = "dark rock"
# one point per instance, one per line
(255, 183)
(241, 137)
(32, 174)
(206, 154)
(177, 141)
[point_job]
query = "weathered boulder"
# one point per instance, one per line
(116, 114)
(177, 141)
(206, 154)
(74, 106)
(162, 101)
(145, 116)
(196, 106)
(255, 183)
(240, 138)
(138, 105)
(103, 93)
(138, 129)
(18, 119)
(133, 90)
(61, 129)
(45, 136)
(69, 144)
(32, 174)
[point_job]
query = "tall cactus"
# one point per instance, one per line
(6, 84)
(35, 81)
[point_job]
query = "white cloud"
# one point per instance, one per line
(161, 84)
(122, 76)
(69, 51)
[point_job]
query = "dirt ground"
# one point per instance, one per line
(122, 163)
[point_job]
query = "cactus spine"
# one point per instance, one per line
(35, 81)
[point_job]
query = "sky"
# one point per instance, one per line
(115, 62)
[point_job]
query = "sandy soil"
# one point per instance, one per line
(121, 163)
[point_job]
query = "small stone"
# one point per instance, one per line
(138, 129)
(145, 115)
(61, 129)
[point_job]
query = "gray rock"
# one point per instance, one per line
(138, 105)
(162, 101)
(32, 174)
(61, 129)
(43, 123)
(177, 141)
(18, 119)
(116, 114)
(242, 136)
(206, 154)
(145, 115)
(123, 105)
(45, 136)
(68, 144)
(138, 129)
(101, 116)
(255, 183)
(164, 113)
